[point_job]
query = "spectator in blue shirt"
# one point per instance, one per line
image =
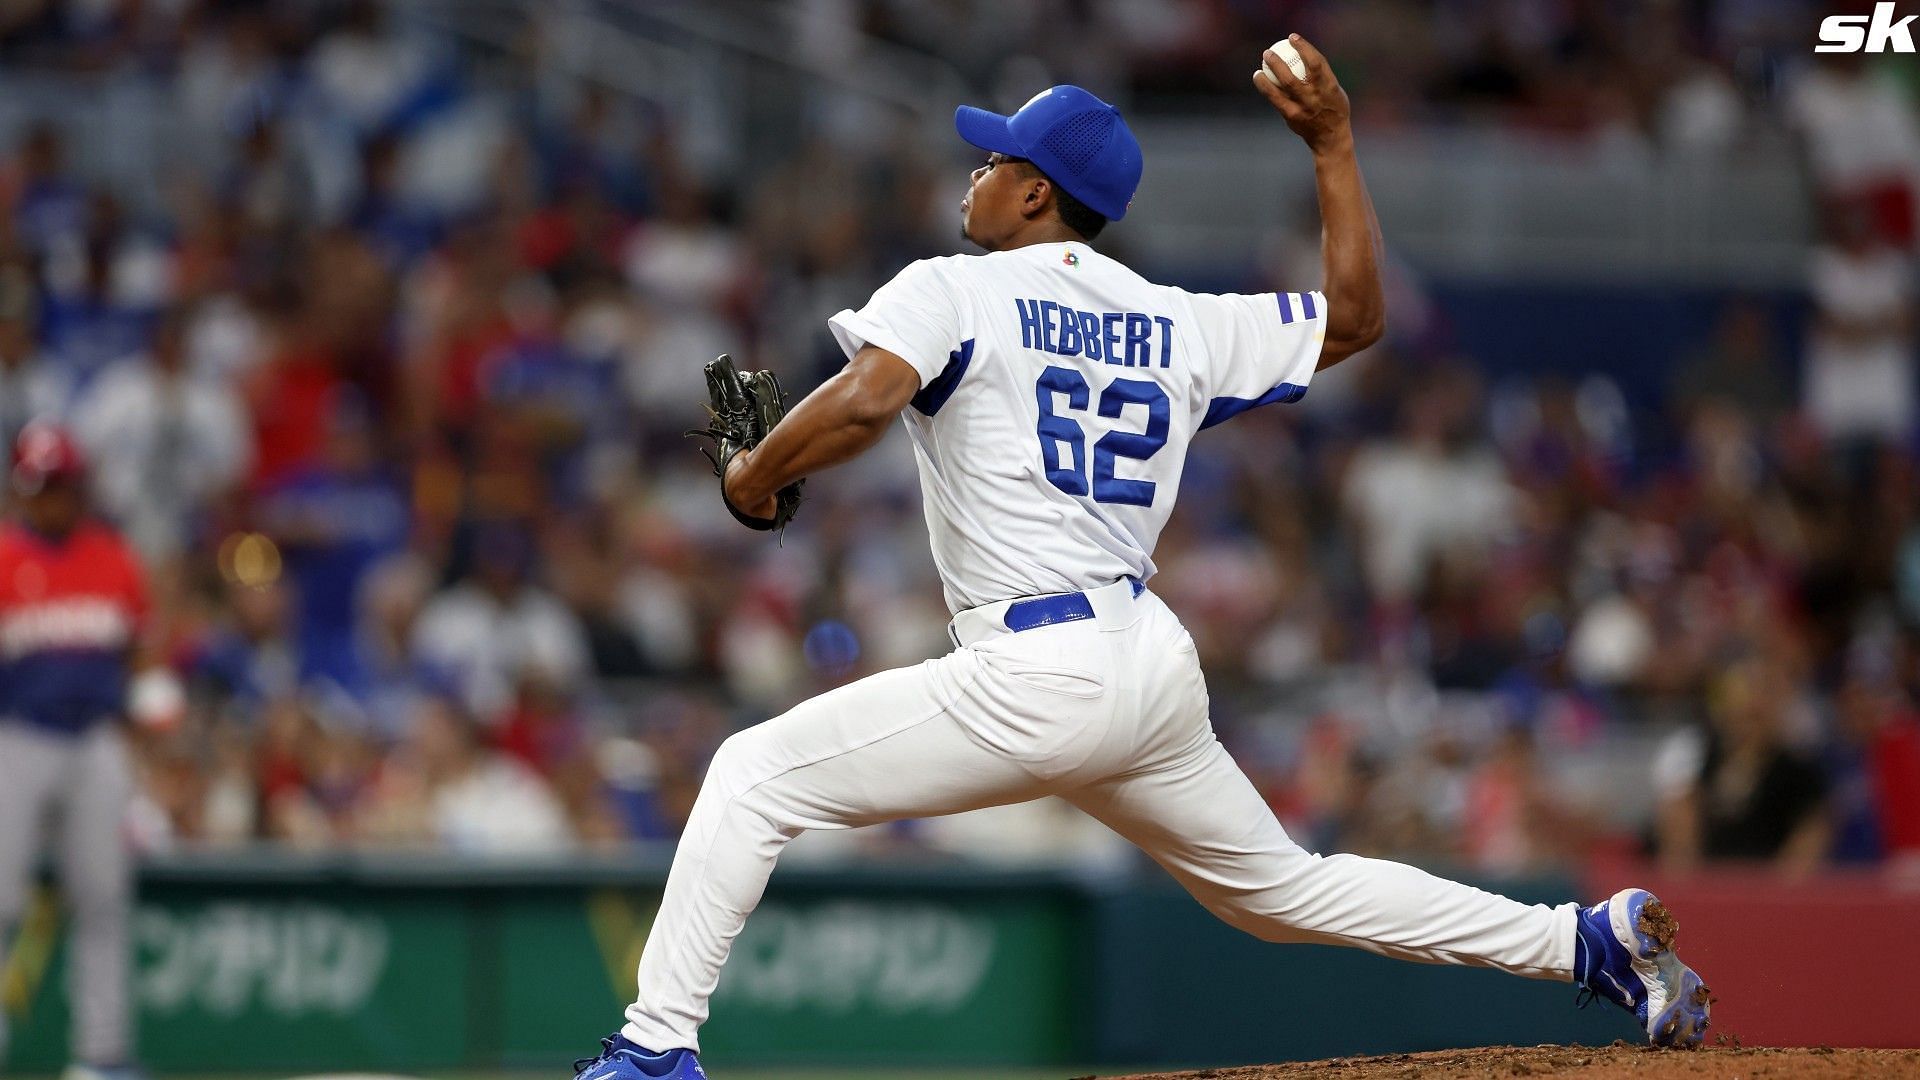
(333, 520)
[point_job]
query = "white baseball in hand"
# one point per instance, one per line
(1284, 50)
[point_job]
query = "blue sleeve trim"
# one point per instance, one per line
(1222, 409)
(1308, 309)
(941, 386)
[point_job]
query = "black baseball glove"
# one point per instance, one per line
(743, 406)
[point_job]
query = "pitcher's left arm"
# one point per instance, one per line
(836, 423)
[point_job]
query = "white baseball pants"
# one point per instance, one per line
(1109, 713)
(83, 783)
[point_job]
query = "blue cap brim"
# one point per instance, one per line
(986, 130)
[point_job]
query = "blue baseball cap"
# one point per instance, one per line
(1074, 137)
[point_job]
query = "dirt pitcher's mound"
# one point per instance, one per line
(1616, 1062)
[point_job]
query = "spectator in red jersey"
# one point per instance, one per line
(1874, 764)
(73, 609)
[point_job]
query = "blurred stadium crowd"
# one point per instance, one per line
(394, 414)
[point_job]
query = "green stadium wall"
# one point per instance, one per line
(292, 964)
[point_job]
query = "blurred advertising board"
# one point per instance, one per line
(302, 964)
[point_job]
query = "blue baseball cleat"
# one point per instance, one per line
(1623, 951)
(622, 1060)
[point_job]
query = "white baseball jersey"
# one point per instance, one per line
(1059, 392)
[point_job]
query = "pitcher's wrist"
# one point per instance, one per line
(1334, 143)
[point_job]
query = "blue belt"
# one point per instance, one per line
(1051, 610)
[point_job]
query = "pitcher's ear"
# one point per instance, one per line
(1038, 191)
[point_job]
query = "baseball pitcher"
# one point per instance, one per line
(1050, 394)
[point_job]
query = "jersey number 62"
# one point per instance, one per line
(1057, 430)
